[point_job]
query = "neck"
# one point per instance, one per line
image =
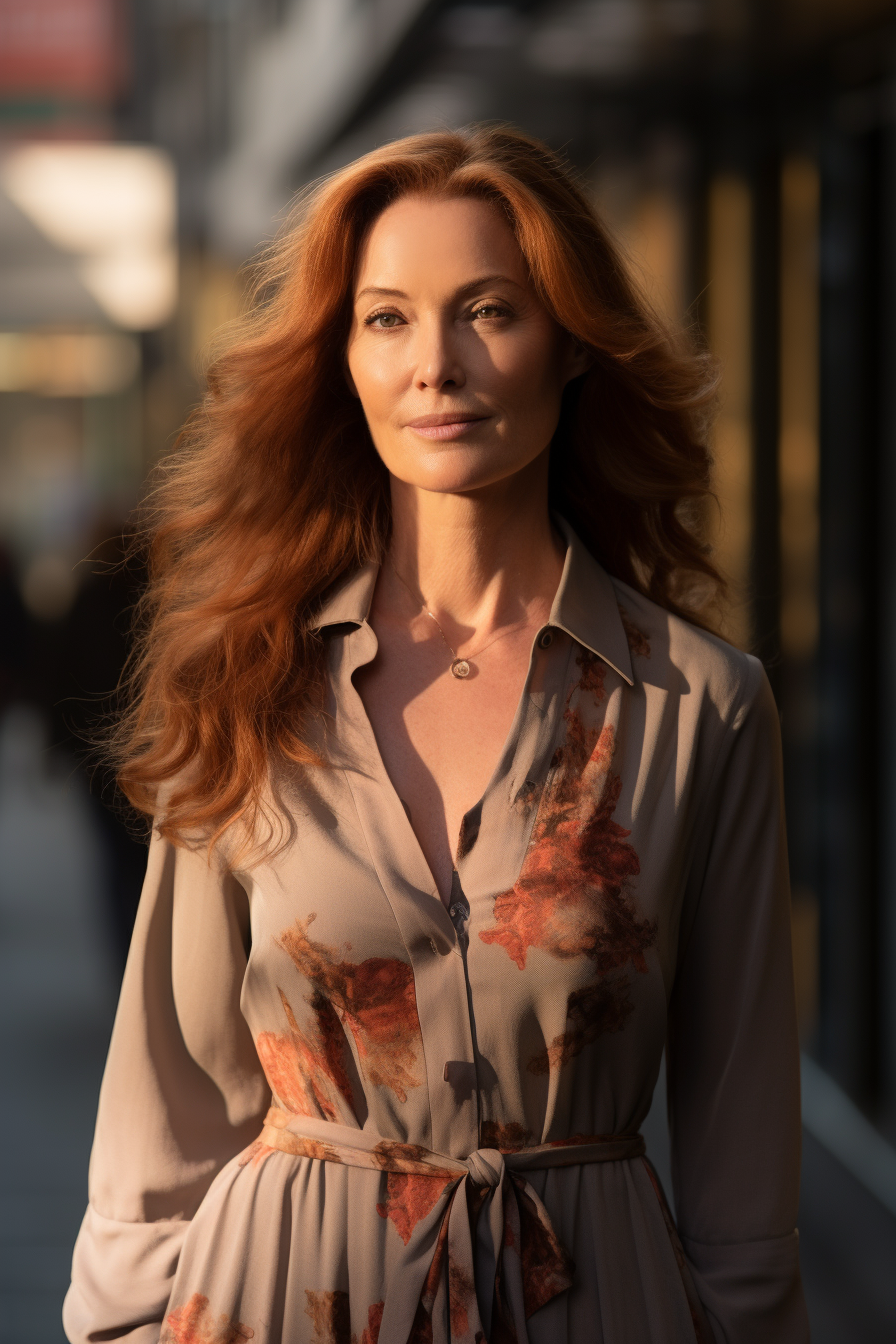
(478, 560)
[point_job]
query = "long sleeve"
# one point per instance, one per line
(182, 1093)
(733, 1053)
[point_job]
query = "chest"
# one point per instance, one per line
(440, 737)
(572, 875)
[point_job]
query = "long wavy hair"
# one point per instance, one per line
(275, 490)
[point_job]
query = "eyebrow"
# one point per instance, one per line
(479, 283)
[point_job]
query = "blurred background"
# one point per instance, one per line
(744, 152)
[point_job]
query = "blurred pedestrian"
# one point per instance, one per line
(14, 633)
(77, 663)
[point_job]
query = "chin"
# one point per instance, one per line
(458, 473)
(456, 483)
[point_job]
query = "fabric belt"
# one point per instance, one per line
(492, 1258)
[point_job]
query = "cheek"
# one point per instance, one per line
(379, 367)
(377, 376)
(527, 370)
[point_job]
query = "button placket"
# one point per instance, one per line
(424, 925)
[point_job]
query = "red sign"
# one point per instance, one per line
(62, 48)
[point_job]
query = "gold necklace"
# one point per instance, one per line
(460, 667)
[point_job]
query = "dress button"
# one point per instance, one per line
(546, 640)
(432, 943)
(461, 1075)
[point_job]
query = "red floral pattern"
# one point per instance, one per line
(637, 640)
(572, 898)
(507, 1138)
(194, 1323)
(331, 1318)
(410, 1198)
(374, 998)
(307, 1069)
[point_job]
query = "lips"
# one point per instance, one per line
(447, 418)
(450, 425)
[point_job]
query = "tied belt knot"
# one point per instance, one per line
(486, 1167)
(480, 1254)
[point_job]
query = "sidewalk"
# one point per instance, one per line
(57, 997)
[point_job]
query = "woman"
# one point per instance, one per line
(460, 816)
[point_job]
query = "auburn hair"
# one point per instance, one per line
(274, 489)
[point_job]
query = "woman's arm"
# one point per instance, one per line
(183, 1092)
(734, 1101)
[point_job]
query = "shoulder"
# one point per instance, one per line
(673, 655)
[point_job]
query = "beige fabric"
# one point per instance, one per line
(621, 886)
(517, 1264)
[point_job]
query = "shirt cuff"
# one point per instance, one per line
(122, 1275)
(751, 1289)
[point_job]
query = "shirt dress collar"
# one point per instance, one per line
(584, 605)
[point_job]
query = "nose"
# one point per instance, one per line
(438, 358)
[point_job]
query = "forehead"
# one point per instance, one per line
(421, 243)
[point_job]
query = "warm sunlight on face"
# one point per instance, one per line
(459, 367)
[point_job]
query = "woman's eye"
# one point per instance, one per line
(490, 310)
(385, 321)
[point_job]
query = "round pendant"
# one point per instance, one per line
(460, 668)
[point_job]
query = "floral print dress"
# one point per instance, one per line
(336, 1112)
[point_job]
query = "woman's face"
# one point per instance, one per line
(459, 367)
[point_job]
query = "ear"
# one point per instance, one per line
(578, 359)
